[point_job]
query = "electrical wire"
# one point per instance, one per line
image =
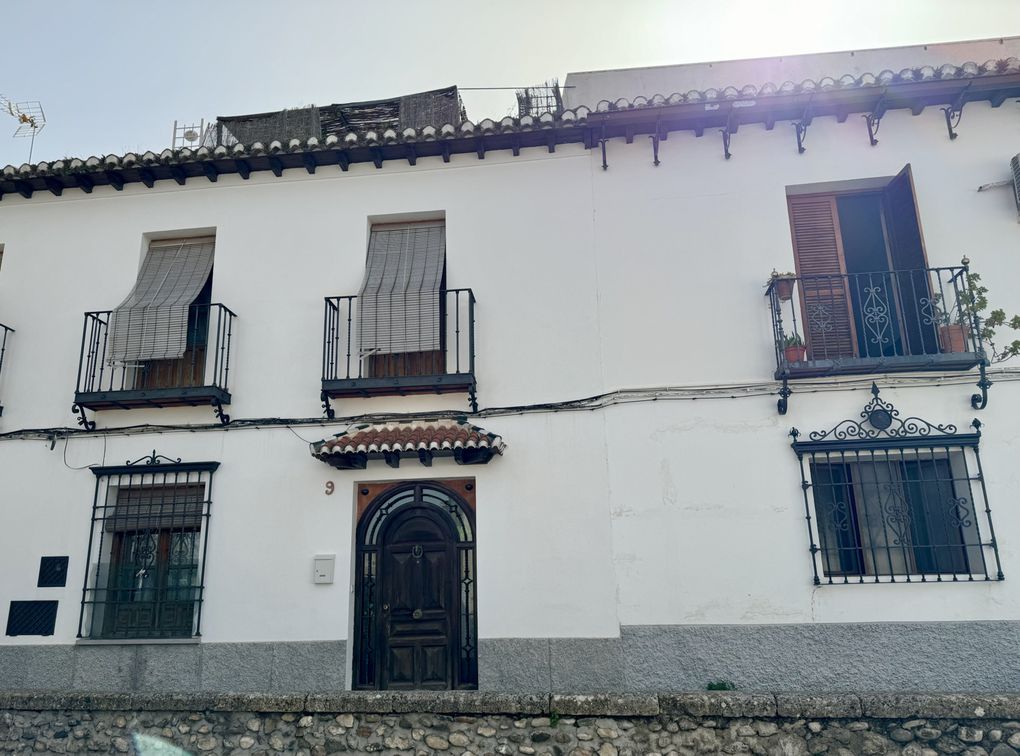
(585, 404)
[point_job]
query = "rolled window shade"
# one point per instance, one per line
(169, 507)
(152, 323)
(399, 301)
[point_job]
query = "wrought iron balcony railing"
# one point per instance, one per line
(199, 377)
(348, 369)
(5, 332)
(888, 321)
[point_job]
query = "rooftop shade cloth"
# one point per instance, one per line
(400, 298)
(152, 323)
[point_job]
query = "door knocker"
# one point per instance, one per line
(416, 614)
(417, 551)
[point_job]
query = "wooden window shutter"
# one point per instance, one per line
(824, 295)
(906, 241)
(909, 281)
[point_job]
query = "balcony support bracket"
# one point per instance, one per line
(784, 395)
(83, 420)
(473, 397)
(980, 401)
(222, 416)
(327, 408)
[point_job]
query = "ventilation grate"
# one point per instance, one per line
(52, 572)
(32, 618)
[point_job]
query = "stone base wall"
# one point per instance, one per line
(484, 723)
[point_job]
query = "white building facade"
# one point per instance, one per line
(556, 460)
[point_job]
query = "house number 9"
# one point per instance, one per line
(330, 488)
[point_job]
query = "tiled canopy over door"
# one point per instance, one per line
(152, 322)
(825, 302)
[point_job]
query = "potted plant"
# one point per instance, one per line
(951, 326)
(955, 323)
(794, 349)
(782, 284)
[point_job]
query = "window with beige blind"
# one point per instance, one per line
(160, 330)
(401, 300)
(866, 288)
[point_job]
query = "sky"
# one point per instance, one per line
(114, 75)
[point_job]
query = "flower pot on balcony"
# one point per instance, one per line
(797, 353)
(953, 338)
(783, 286)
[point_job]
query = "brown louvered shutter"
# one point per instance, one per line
(825, 300)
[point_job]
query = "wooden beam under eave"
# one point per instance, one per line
(148, 177)
(24, 189)
(276, 166)
(242, 168)
(377, 156)
(84, 183)
(309, 161)
(54, 186)
(178, 174)
(343, 160)
(480, 145)
(446, 152)
(515, 145)
(210, 171)
(411, 154)
(552, 141)
(116, 179)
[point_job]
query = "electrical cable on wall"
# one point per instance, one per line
(586, 404)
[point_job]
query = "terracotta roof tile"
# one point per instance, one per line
(436, 435)
(564, 126)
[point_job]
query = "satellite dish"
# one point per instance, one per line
(191, 135)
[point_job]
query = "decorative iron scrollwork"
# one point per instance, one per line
(327, 408)
(953, 116)
(880, 419)
(83, 420)
(222, 416)
(154, 459)
(980, 401)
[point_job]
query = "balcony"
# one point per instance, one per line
(348, 370)
(882, 322)
(5, 332)
(198, 378)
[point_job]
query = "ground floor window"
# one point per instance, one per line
(890, 499)
(147, 550)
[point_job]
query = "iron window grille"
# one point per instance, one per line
(890, 499)
(147, 550)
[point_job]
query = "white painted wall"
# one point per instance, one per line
(587, 281)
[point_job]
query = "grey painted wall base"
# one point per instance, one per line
(242, 667)
(947, 656)
(932, 656)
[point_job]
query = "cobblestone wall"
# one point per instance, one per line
(465, 723)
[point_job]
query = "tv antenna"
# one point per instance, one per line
(188, 135)
(30, 117)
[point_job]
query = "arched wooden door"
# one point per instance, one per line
(415, 595)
